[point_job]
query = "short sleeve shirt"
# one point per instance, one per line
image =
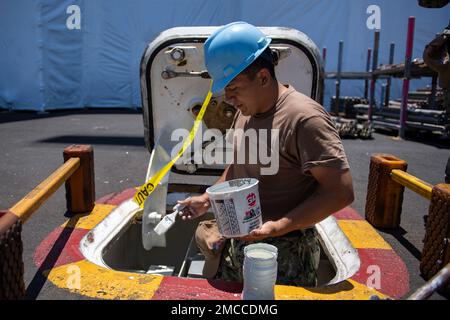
(306, 138)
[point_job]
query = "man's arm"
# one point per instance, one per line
(199, 205)
(334, 192)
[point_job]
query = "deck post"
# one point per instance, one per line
(384, 196)
(436, 248)
(12, 284)
(80, 187)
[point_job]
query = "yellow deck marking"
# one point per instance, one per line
(89, 221)
(362, 235)
(86, 278)
(346, 290)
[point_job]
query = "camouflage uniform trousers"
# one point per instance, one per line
(298, 258)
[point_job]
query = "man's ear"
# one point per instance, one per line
(264, 76)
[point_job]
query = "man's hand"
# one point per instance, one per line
(195, 206)
(267, 230)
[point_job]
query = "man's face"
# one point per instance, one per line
(244, 94)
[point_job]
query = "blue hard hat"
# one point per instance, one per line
(231, 49)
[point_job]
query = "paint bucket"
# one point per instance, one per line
(259, 271)
(236, 206)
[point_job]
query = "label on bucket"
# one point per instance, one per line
(228, 221)
(226, 214)
(236, 206)
(251, 199)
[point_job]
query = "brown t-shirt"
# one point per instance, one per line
(307, 138)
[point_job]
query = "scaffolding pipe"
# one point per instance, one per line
(407, 76)
(366, 81)
(338, 80)
(387, 97)
(374, 67)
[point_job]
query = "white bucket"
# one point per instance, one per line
(259, 271)
(236, 206)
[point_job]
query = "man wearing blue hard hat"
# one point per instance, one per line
(313, 179)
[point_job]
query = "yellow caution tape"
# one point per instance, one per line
(146, 189)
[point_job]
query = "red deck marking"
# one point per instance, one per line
(117, 197)
(59, 248)
(174, 288)
(394, 276)
(348, 213)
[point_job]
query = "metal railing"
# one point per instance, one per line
(440, 280)
(77, 173)
(412, 183)
(387, 180)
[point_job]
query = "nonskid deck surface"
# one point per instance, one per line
(121, 160)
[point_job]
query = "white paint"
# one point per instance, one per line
(74, 20)
(374, 280)
(260, 254)
(339, 250)
(106, 230)
(155, 204)
(373, 22)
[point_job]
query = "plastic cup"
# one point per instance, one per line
(260, 271)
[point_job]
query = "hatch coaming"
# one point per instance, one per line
(116, 243)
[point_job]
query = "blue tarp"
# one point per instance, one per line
(79, 53)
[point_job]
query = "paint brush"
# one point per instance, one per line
(168, 221)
